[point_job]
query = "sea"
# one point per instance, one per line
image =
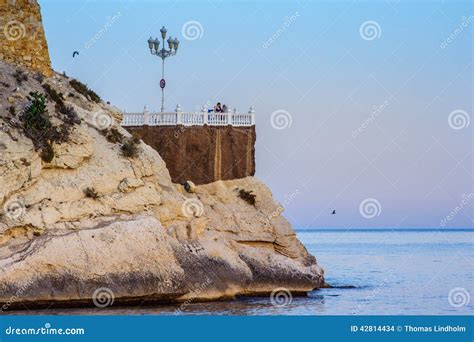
(370, 271)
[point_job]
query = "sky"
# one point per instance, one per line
(361, 107)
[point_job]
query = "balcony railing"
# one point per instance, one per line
(179, 117)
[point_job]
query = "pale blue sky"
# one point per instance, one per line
(321, 70)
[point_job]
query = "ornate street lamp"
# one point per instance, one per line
(154, 46)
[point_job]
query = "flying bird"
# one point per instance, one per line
(75, 53)
(333, 212)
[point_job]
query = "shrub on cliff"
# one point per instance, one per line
(56, 97)
(38, 127)
(112, 135)
(84, 90)
(247, 196)
(39, 77)
(36, 116)
(130, 148)
(69, 115)
(91, 193)
(20, 76)
(47, 152)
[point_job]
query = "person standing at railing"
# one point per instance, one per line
(218, 108)
(225, 109)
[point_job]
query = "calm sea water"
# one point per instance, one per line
(405, 272)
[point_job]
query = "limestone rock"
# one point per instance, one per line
(70, 267)
(142, 236)
(71, 155)
(130, 184)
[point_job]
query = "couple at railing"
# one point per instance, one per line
(180, 117)
(219, 109)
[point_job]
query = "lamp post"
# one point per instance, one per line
(154, 45)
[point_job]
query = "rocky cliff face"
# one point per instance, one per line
(203, 154)
(99, 211)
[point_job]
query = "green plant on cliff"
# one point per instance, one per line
(84, 90)
(38, 127)
(247, 196)
(36, 116)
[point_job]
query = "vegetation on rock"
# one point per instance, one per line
(70, 116)
(130, 147)
(58, 98)
(20, 76)
(84, 90)
(113, 135)
(90, 192)
(38, 127)
(39, 77)
(247, 196)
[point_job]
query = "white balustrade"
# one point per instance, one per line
(179, 117)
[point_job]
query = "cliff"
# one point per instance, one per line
(202, 154)
(87, 208)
